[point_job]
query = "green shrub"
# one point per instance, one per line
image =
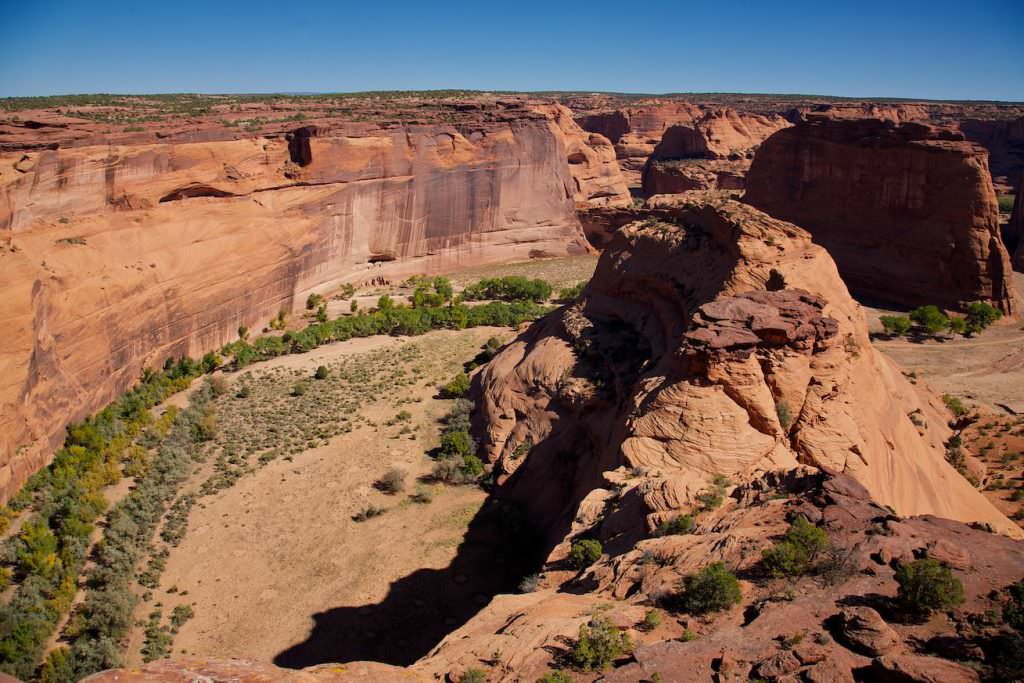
(585, 552)
(1013, 610)
(1005, 203)
(599, 644)
(571, 293)
(785, 417)
(556, 676)
(955, 405)
(713, 497)
(798, 551)
(930, 318)
(314, 301)
(711, 589)
(321, 372)
(298, 389)
(473, 676)
(456, 444)
(652, 620)
(927, 585)
(980, 315)
(895, 325)
(680, 524)
(511, 288)
(457, 388)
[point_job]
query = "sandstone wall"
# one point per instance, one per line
(1016, 227)
(908, 212)
(712, 339)
(113, 257)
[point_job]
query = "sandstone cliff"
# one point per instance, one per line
(1016, 226)
(116, 254)
(908, 212)
(675, 130)
(713, 339)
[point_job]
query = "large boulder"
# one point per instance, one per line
(908, 212)
(713, 339)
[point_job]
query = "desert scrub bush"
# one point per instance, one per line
(321, 372)
(584, 552)
(180, 615)
(955, 405)
(457, 388)
(529, 583)
(784, 415)
(314, 301)
(555, 676)
(456, 444)
(652, 620)
(980, 315)
(798, 551)
(599, 644)
(298, 389)
(458, 470)
(572, 292)
(473, 676)
(927, 585)
(392, 482)
(680, 524)
(369, 512)
(711, 589)
(713, 497)
(896, 325)
(930, 319)
(1013, 609)
(158, 639)
(1005, 202)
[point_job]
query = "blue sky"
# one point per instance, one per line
(940, 50)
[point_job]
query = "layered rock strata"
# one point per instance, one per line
(114, 257)
(908, 212)
(712, 340)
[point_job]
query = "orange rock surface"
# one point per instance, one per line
(908, 212)
(713, 339)
(120, 250)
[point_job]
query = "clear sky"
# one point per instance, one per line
(942, 50)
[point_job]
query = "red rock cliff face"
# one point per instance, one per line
(116, 256)
(1015, 230)
(907, 212)
(712, 339)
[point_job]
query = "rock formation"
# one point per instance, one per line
(673, 130)
(1016, 227)
(713, 339)
(907, 212)
(672, 176)
(117, 253)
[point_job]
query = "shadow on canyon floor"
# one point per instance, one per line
(420, 609)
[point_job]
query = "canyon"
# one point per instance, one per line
(118, 254)
(704, 378)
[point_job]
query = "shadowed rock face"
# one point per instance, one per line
(114, 257)
(907, 212)
(1016, 226)
(712, 339)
